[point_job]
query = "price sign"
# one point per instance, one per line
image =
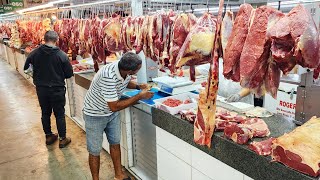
(16, 4)
(7, 8)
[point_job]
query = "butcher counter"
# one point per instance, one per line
(158, 145)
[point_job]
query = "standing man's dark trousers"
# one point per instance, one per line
(53, 98)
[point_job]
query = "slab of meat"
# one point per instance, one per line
(182, 25)
(226, 29)
(112, 31)
(231, 69)
(222, 124)
(128, 32)
(262, 148)
(198, 46)
(256, 50)
(161, 37)
(258, 127)
(138, 27)
(300, 149)
(247, 129)
(205, 122)
(237, 133)
(295, 39)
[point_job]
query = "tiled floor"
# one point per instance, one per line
(23, 153)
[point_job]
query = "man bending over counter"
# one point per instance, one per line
(101, 106)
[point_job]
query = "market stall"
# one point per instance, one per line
(188, 130)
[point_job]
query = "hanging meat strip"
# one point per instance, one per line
(256, 50)
(205, 122)
(199, 44)
(231, 67)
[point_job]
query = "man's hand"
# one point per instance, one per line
(144, 94)
(144, 86)
(233, 98)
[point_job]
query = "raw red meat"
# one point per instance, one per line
(172, 102)
(128, 33)
(231, 69)
(272, 79)
(237, 133)
(180, 30)
(188, 101)
(262, 148)
(222, 124)
(138, 24)
(295, 40)
(300, 149)
(112, 31)
(258, 127)
(205, 122)
(256, 50)
(198, 46)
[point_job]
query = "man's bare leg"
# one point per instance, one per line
(94, 163)
(116, 159)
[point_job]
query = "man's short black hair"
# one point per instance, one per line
(129, 62)
(51, 36)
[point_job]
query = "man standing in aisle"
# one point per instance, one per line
(51, 67)
(101, 106)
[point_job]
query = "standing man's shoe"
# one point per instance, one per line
(63, 142)
(51, 138)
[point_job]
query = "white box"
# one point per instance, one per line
(182, 97)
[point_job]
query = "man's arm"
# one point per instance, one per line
(67, 67)
(122, 104)
(28, 61)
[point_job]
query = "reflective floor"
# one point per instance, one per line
(23, 153)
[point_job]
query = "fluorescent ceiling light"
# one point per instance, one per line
(94, 3)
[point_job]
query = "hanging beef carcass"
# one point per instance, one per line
(182, 25)
(300, 149)
(295, 39)
(205, 121)
(161, 34)
(138, 28)
(226, 29)
(145, 32)
(128, 33)
(166, 36)
(231, 67)
(256, 50)
(151, 36)
(162, 41)
(198, 46)
(112, 31)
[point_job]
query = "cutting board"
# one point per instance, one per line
(157, 95)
